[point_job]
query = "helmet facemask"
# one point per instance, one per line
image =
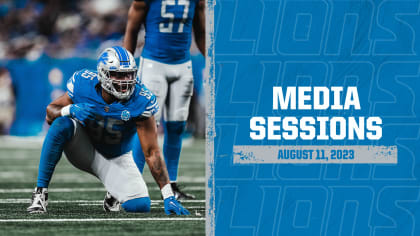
(120, 84)
(116, 73)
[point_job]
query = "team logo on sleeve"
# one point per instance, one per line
(125, 115)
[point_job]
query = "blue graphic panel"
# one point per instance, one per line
(370, 45)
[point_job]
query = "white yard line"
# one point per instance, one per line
(12, 174)
(24, 200)
(76, 178)
(21, 142)
(104, 219)
(53, 190)
(157, 207)
(68, 190)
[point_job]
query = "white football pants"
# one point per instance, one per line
(119, 175)
(171, 84)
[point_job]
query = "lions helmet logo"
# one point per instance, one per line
(104, 58)
(125, 115)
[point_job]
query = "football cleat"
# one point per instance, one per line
(111, 204)
(39, 201)
(179, 195)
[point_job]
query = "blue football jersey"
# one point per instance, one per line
(114, 125)
(168, 30)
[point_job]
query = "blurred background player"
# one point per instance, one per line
(166, 68)
(7, 101)
(94, 122)
(51, 39)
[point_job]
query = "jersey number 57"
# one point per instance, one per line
(169, 28)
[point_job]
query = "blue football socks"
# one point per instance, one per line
(60, 132)
(172, 146)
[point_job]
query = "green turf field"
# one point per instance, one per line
(75, 199)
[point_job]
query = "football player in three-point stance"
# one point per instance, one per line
(165, 66)
(94, 123)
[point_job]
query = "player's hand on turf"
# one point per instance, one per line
(82, 112)
(172, 206)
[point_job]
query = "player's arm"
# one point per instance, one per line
(147, 132)
(136, 16)
(63, 106)
(199, 26)
(54, 108)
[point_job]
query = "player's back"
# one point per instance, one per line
(168, 30)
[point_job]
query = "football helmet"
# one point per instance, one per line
(117, 72)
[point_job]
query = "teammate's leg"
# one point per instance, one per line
(172, 145)
(60, 133)
(176, 114)
(152, 75)
(138, 154)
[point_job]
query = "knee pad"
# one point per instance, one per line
(137, 205)
(62, 126)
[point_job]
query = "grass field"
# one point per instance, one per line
(75, 198)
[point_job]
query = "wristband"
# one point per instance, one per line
(167, 191)
(65, 111)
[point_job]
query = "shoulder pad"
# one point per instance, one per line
(145, 92)
(152, 106)
(81, 76)
(86, 74)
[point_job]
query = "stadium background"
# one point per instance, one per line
(42, 42)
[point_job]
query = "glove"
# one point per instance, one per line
(82, 112)
(173, 206)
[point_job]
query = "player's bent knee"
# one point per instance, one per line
(137, 205)
(62, 123)
(62, 126)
